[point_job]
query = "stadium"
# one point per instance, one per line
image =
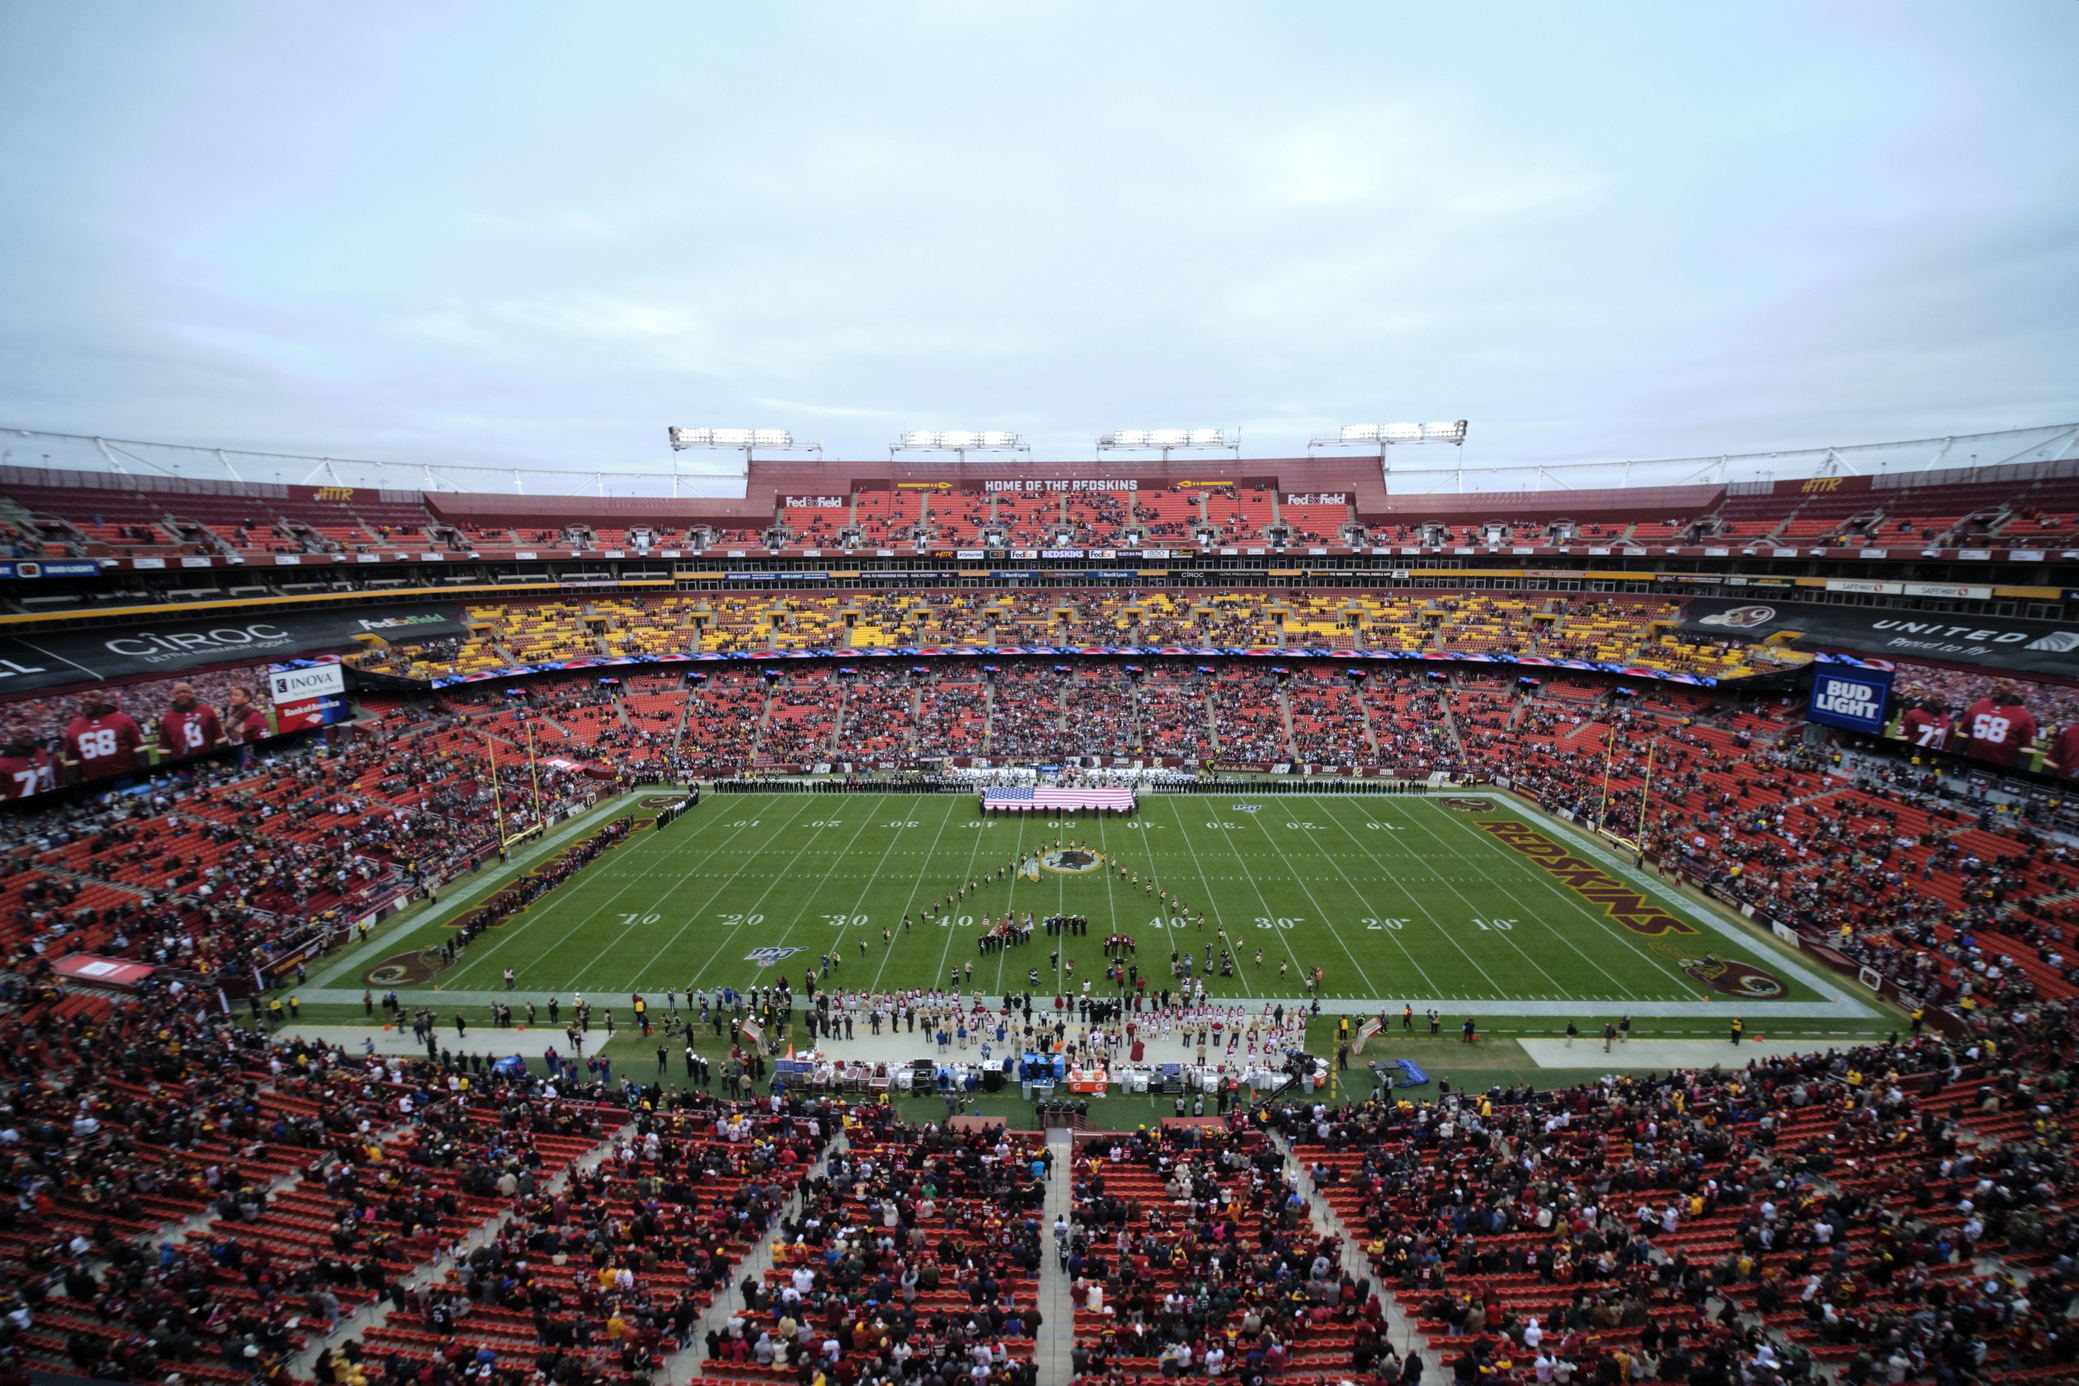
(520, 868)
(979, 742)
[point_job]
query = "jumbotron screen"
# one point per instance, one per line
(102, 732)
(1998, 719)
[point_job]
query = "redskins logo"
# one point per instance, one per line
(1072, 861)
(404, 970)
(1741, 617)
(1731, 978)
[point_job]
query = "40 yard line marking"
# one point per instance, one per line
(1251, 878)
(981, 827)
(910, 904)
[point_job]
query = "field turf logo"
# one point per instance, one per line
(1468, 805)
(1732, 978)
(766, 957)
(1072, 861)
(1587, 880)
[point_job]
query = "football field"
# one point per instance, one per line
(1468, 904)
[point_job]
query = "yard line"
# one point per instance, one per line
(840, 856)
(727, 937)
(1416, 901)
(507, 935)
(1557, 988)
(1319, 914)
(1680, 979)
(717, 891)
(1011, 903)
(1248, 876)
(952, 803)
(947, 920)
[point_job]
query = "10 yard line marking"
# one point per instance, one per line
(515, 933)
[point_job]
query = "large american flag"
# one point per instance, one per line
(1028, 797)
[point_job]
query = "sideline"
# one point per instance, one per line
(1713, 915)
(466, 892)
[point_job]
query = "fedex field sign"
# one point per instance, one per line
(1854, 701)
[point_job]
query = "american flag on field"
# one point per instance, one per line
(1026, 796)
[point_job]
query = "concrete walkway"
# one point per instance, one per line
(1057, 1314)
(394, 1039)
(1661, 1055)
(1400, 1328)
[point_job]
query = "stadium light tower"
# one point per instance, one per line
(1384, 436)
(744, 440)
(1168, 440)
(959, 442)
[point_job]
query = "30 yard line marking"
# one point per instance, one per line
(727, 936)
(1260, 899)
(824, 879)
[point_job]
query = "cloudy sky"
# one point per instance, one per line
(539, 234)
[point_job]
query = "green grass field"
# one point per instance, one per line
(1399, 900)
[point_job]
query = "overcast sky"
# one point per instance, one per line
(540, 234)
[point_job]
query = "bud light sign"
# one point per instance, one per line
(1852, 700)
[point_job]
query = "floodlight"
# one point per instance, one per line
(744, 438)
(1167, 439)
(1384, 436)
(962, 441)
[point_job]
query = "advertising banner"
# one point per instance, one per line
(102, 732)
(70, 657)
(1995, 642)
(1850, 698)
(308, 694)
